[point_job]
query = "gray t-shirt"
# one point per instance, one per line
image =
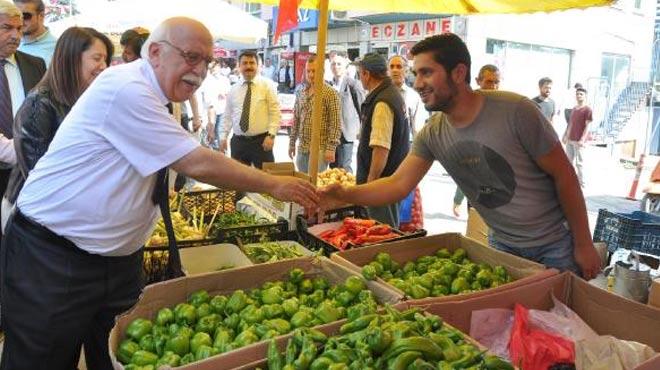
(547, 107)
(493, 162)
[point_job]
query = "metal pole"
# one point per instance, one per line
(318, 86)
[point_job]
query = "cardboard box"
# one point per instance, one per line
(172, 292)
(654, 294)
(521, 270)
(212, 258)
(476, 227)
(274, 207)
(604, 312)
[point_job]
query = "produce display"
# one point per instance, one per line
(183, 230)
(205, 326)
(444, 273)
(407, 340)
(208, 201)
(271, 252)
(356, 232)
(335, 176)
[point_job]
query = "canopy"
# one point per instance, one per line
(451, 6)
(225, 21)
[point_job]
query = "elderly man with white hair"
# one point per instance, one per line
(72, 253)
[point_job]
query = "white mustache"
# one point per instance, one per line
(192, 79)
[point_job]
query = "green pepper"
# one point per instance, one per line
(476, 285)
(401, 361)
(185, 331)
(358, 310)
(272, 311)
(207, 324)
(385, 260)
(142, 358)
(420, 364)
(426, 281)
(485, 278)
(327, 312)
(291, 352)
(170, 359)
(147, 343)
(300, 319)
(203, 309)
(290, 306)
(316, 335)
(185, 315)
(236, 302)
(164, 317)
(245, 338)
(459, 255)
(495, 363)
(320, 283)
(378, 339)
(450, 351)
(204, 352)
(357, 324)
(439, 291)
(355, 284)
(269, 334)
(252, 315)
(279, 325)
(296, 275)
(321, 363)
(198, 297)
(126, 350)
(424, 345)
(138, 328)
(198, 340)
(232, 321)
(218, 303)
(222, 339)
(306, 286)
(274, 357)
(187, 359)
(307, 355)
(466, 274)
(445, 280)
(418, 291)
(159, 330)
(159, 343)
(172, 329)
(459, 285)
(272, 295)
(317, 297)
(345, 298)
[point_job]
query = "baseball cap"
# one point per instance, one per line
(373, 62)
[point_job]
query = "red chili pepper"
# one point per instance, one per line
(359, 222)
(326, 234)
(379, 230)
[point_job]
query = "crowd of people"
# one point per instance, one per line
(86, 151)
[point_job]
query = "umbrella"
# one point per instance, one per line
(412, 6)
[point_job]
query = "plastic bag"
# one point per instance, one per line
(492, 328)
(609, 353)
(534, 349)
(562, 321)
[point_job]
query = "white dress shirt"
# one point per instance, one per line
(7, 151)
(15, 84)
(415, 111)
(94, 184)
(264, 109)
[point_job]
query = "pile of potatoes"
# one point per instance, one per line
(335, 176)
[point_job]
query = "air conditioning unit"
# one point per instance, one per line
(338, 15)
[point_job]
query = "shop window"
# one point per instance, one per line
(254, 9)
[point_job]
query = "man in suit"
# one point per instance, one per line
(351, 97)
(19, 73)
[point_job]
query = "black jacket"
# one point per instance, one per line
(35, 125)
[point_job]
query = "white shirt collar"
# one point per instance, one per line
(148, 70)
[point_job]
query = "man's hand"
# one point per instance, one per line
(197, 123)
(210, 132)
(588, 260)
(223, 145)
(291, 189)
(268, 143)
(292, 152)
(329, 156)
(331, 198)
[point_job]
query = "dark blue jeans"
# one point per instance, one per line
(558, 255)
(343, 156)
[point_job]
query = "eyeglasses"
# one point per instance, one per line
(27, 16)
(192, 58)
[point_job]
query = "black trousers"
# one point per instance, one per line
(248, 150)
(4, 181)
(55, 297)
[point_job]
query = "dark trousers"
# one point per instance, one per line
(4, 181)
(55, 297)
(343, 155)
(248, 150)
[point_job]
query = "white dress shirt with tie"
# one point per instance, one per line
(264, 110)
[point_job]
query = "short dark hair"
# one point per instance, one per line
(487, 68)
(544, 80)
(63, 74)
(311, 58)
(248, 54)
(133, 40)
(577, 85)
(39, 3)
(448, 50)
(581, 89)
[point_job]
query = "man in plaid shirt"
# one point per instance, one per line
(302, 121)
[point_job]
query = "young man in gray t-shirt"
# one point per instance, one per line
(502, 152)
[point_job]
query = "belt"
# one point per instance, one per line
(38, 229)
(250, 138)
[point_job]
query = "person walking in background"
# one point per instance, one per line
(131, 42)
(253, 114)
(487, 79)
(546, 104)
(302, 121)
(351, 98)
(215, 89)
(577, 131)
(385, 133)
(285, 77)
(37, 38)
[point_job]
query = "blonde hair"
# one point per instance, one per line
(10, 9)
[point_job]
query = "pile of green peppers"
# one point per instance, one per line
(444, 273)
(407, 340)
(205, 326)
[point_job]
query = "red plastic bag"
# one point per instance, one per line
(534, 349)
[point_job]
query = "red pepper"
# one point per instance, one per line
(379, 230)
(326, 234)
(359, 222)
(377, 238)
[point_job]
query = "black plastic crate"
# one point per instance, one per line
(638, 231)
(315, 244)
(155, 261)
(193, 203)
(254, 233)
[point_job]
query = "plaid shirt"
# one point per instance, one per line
(302, 120)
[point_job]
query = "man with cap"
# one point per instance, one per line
(384, 134)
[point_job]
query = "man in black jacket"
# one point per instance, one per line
(385, 131)
(19, 73)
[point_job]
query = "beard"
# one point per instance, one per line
(446, 102)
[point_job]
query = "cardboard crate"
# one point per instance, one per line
(212, 258)
(521, 270)
(654, 294)
(604, 312)
(172, 292)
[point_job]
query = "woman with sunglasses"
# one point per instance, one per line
(80, 55)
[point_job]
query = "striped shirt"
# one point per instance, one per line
(302, 120)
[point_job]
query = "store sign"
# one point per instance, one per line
(402, 31)
(307, 19)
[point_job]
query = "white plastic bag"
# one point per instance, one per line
(562, 321)
(609, 353)
(492, 328)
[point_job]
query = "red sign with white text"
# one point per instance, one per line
(404, 31)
